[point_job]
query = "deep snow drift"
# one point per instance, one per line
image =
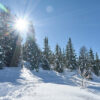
(23, 84)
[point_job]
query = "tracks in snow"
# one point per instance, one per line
(26, 86)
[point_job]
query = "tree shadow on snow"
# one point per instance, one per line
(10, 75)
(53, 77)
(94, 89)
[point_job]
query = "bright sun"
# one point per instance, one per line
(21, 25)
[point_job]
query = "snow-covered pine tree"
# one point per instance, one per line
(83, 64)
(70, 56)
(46, 56)
(15, 49)
(52, 57)
(96, 68)
(9, 37)
(91, 58)
(64, 58)
(2, 54)
(9, 46)
(83, 61)
(45, 64)
(58, 59)
(31, 52)
(4, 32)
(91, 62)
(2, 51)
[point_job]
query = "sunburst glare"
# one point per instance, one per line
(21, 25)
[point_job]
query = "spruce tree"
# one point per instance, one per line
(64, 58)
(58, 59)
(83, 62)
(96, 68)
(16, 51)
(47, 55)
(70, 56)
(11, 41)
(91, 62)
(47, 52)
(2, 54)
(31, 51)
(9, 37)
(2, 31)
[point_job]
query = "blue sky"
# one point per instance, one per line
(61, 19)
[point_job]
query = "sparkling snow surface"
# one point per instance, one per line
(23, 84)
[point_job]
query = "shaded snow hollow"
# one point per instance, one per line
(23, 84)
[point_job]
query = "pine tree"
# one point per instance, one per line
(96, 68)
(70, 56)
(16, 50)
(45, 64)
(47, 55)
(58, 59)
(2, 54)
(47, 52)
(91, 62)
(9, 38)
(64, 58)
(83, 59)
(3, 29)
(31, 51)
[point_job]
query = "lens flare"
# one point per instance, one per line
(3, 8)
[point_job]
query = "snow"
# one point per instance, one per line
(22, 84)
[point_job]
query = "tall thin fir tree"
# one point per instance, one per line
(83, 59)
(96, 68)
(11, 42)
(2, 50)
(6, 30)
(91, 62)
(47, 52)
(64, 58)
(46, 56)
(3, 30)
(58, 59)
(83, 64)
(2, 54)
(70, 56)
(31, 51)
(9, 37)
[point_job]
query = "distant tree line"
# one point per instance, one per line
(86, 62)
(12, 52)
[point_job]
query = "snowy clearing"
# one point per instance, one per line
(23, 84)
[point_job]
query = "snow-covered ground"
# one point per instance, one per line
(23, 84)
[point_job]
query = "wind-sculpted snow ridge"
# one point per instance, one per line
(23, 84)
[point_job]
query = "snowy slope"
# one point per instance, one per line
(23, 84)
